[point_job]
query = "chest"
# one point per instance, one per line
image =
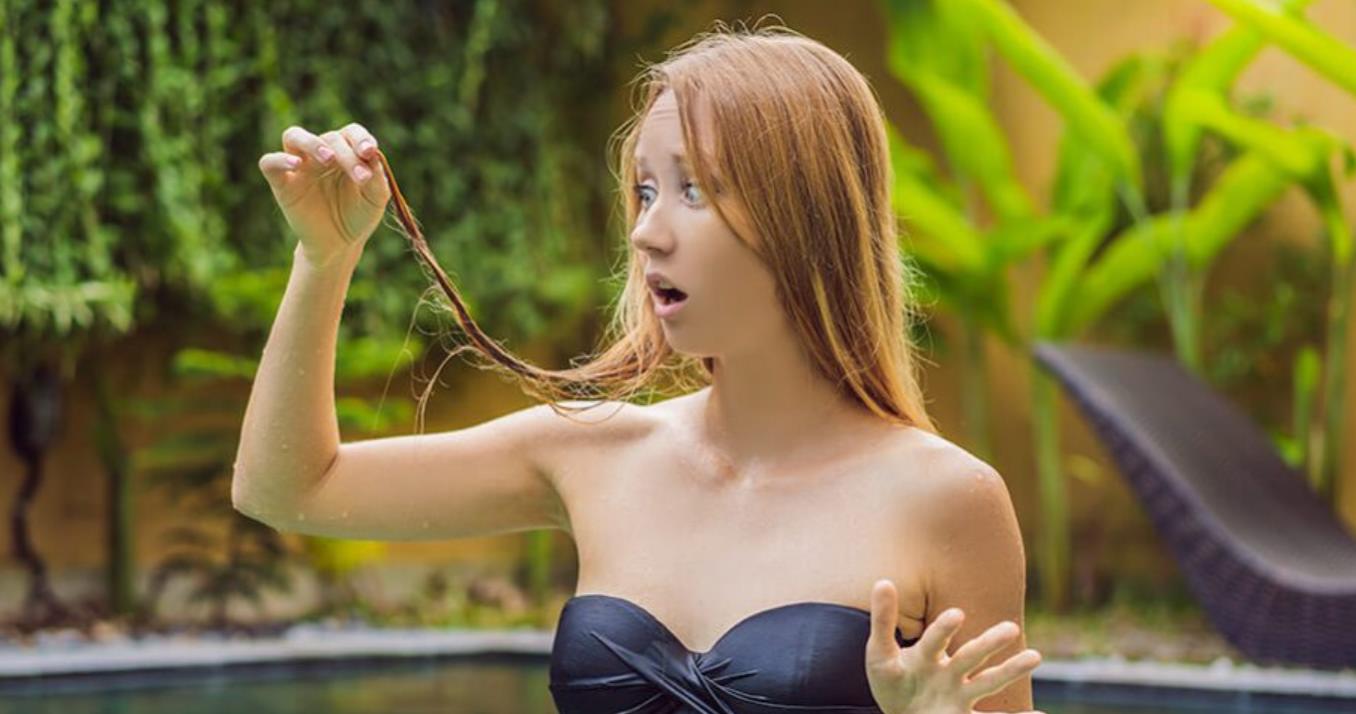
(702, 550)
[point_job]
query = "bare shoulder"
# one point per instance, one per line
(577, 443)
(588, 418)
(580, 426)
(941, 481)
(973, 558)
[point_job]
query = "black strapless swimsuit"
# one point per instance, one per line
(611, 656)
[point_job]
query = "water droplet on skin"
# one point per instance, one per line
(344, 515)
(301, 373)
(425, 525)
(301, 516)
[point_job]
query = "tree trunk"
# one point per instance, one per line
(34, 420)
(119, 557)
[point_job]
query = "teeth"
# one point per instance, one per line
(665, 285)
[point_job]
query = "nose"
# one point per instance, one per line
(651, 233)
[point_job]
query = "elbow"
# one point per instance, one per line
(242, 502)
(248, 504)
(239, 498)
(240, 495)
(282, 508)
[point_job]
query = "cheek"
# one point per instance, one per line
(727, 271)
(744, 283)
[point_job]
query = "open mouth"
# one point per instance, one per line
(669, 296)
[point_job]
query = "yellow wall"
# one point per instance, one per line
(1093, 34)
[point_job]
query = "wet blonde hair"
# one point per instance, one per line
(798, 144)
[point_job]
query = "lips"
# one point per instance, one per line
(668, 298)
(666, 305)
(663, 289)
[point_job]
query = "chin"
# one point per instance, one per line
(678, 344)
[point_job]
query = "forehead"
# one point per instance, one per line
(661, 133)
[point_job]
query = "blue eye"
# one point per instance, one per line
(691, 185)
(640, 190)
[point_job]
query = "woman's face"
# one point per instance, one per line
(731, 304)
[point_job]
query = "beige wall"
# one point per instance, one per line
(1092, 34)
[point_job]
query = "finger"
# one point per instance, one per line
(275, 165)
(938, 633)
(375, 190)
(346, 157)
(972, 654)
(362, 141)
(996, 678)
(297, 140)
(884, 613)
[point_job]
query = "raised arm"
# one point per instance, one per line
(496, 477)
(333, 199)
(291, 470)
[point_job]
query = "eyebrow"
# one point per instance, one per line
(680, 159)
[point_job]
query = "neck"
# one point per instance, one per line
(769, 409)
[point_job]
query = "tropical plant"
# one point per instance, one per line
(1102, 235)
(62, 293)
(1310, 161)
(129, 191)
(939, 50)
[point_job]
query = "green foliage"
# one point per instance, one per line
(1304, 153)
(56, 268)
(129, 135)
(244, 565)
(1158, 171)
(1324, 53)
(192, 465)
(1050, 74)
(1257, 339)
(130, 198)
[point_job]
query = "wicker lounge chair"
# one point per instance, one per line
(1270, 563)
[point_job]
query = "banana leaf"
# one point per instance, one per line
(973, 142)
(1052, 76)
(1324, 53)
(1243, 190)
(944, 239)
(1213, 69)
(937, 54)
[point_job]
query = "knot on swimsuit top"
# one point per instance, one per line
(611, 656)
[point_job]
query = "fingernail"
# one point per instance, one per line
(361, 173)
(325, 153)
(366, 146)
(293, 162)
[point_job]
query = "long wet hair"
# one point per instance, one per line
(798, 142)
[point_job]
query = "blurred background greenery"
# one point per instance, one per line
(1149, 190)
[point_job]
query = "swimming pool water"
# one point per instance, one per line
(503, 684)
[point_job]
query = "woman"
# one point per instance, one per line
(792, 535)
